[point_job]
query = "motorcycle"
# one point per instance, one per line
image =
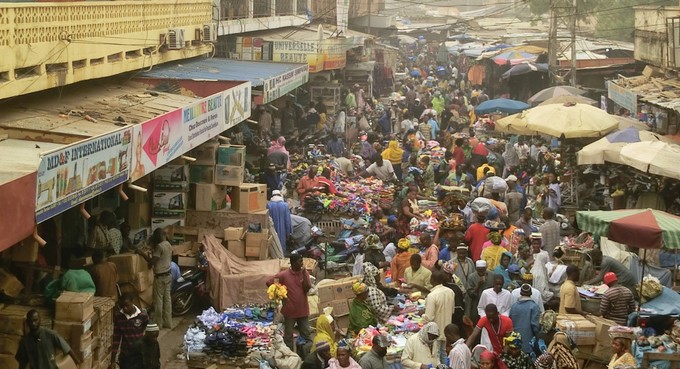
(189, 286)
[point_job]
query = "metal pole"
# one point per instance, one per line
(573, 45)
(370, 5)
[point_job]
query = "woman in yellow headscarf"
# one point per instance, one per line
(394, 155)
(325, 332)
(492, 254)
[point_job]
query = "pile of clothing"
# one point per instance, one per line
(235, 332)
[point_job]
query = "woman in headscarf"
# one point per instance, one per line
(458, 287)
(514, 357)
(502, 268)
(394, 154)
(325, 332)
(511, 159)
(622, 356)
(422, 348)
(492, 254)
(373, 251)
(277, 150)
(376, 299)
(408, 210)
(402, 260)
(490, 360)
(360, 314)
(344, 358)
(560, 350)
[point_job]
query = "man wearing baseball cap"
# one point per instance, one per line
(617, 302)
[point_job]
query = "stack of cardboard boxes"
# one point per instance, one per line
(170, 189)
(9, 284)
(134, 276)
(234, 240)
(102, 332)
(337, 294)
(73, 319)
(591, 334)
(602, 347)
(12, 327)
(218, 171)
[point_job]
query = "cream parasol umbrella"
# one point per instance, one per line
(655, 157)
(570, 120)
(609, 148)
(513, 124)
(569, 99)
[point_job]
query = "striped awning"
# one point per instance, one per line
(642, 228)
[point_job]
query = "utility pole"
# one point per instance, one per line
(562, 13)
(370, 5)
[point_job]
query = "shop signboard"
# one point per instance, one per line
(291, 51)
(78, 172)
(622, 96)
(280, 85)
(334, 53)
(160, 140)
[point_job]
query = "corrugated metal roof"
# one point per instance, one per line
(663, 92)
(217, 69)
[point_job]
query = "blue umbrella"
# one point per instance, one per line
(501, 105)
(628, 135)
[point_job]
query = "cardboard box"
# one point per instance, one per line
(146, 298)
(139, 215)
(74, 306)
(9, 284)
(209, 197)
(187, 261)
(205, 154)
(26, 251)
(166, 222)
(169, 204)
(144, 280)
(603, 351)
(73, 331)
(234, 233)
(581, 330)
(9, 343)
(340, 307)
(228, 175)
(326, 292)
(249, 198)
(237, 247)
(231, 155)
(342, 323)
(13, 319)
(602, 326)
(86, 363)
(186, 249)
(254, 239)
(8, 361)
(138, 197)
(171, 175)
(261, 251)
(202, 173)
(139, 236)
(128, 265)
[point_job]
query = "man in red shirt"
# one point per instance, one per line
(458, 153)
(307, 184)
(296, 307)
(475, 236)
(497, 326)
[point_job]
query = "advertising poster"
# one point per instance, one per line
(288, 51)
(158, 141)
(81, 171)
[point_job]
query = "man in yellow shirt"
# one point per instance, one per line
(570, 301)
(417, 276)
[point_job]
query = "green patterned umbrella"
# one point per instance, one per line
(641, 228)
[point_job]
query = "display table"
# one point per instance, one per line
(653, 359)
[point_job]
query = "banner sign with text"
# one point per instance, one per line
(158, 141)
(80, 171)
(280, 85)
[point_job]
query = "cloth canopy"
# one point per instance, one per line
(655, 157)
(555, 91)
(609, 147)
(641, 228)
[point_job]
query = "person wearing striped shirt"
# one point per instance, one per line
(129, 325)
(618, 302)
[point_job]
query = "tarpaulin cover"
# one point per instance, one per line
(232, 280)
(668, 303)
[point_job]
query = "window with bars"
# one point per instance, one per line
(284, 7)
(262, 8)
(234, 9)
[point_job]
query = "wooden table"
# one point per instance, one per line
(674, 359)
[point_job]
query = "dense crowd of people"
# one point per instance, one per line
(496, 283)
